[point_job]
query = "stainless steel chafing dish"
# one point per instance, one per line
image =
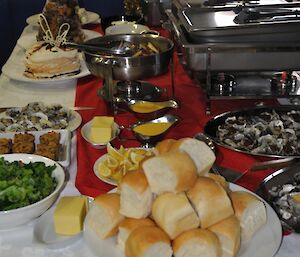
(230, 48)
(234, 52)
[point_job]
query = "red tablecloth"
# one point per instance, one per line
(193, 120)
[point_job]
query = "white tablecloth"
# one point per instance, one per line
(19, 242)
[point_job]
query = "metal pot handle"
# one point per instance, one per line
(150, 32)
(171, 26)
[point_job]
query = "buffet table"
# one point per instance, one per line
(83, 93)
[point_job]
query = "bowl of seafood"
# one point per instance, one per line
(145, 56)
(281, 190)
(261, 131)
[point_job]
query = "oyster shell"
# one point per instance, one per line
(35, 116)
(271, 133)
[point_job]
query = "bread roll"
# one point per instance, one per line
(200, 153)
(148, 241)
(229, 233)
(250, 211)
(197, 242)
(127, 226)
(174, 214)
(136, 196)
(103, 217)
(210, 201)
(173, 171)
(221, 180)
(163, 146)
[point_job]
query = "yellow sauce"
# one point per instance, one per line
(296, 198)
(146, 107)
(152, 129)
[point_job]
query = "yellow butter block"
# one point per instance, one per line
(69, 215)
(101, 129)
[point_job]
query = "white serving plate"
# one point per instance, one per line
(65, 141)
(74, 122)
(86, 134)
(96, 172)
(14, 69)
(12, 218)
(92, 17)
(265, 242)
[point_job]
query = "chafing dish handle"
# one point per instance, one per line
(172, 27)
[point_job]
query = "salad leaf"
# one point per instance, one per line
(24, 184)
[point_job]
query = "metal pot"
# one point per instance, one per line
(130, 68)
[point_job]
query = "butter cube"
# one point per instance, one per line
(101, 129)
(69, 215)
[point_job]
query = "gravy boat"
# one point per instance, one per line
(148, 110)
(148, 133)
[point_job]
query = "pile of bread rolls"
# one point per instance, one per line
(172, 205)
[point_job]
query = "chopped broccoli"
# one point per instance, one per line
(24, 184)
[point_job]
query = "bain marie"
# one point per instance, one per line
(45, 61)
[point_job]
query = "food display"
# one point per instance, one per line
(182, 210)
(24, 184)
(35, 116)
(23, 143)
(49, 58)
(43, 60)
(250, 212)
(49, 145)
(101, 129)
(58, 12)
(118, 162)
(285, 198)
(135, 198)
(270, 132)
(69, 215)
(132, 49)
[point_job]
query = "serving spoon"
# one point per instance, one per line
(124, 50)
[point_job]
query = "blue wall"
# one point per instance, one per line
(13, 14)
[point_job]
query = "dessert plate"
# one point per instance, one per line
(14, 69)
(29, 39)
(265, 242)
(90, 17)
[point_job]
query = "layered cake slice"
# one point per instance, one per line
(45, 61)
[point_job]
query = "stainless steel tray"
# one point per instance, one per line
(219, 26)
(233, 57)
(211, 127)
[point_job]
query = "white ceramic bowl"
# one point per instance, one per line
(86, 134)
(127, 28)
(16, 217)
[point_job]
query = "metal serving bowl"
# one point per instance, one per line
(277, 189)
(128, 67)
